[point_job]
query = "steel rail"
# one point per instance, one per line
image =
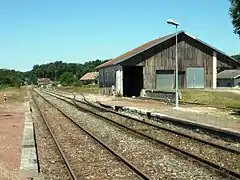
(225, 134)
(36, 146)
(156, 126)
(131, 166)
(72, 173)
(221, 169)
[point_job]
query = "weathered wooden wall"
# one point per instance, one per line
(162, 57)
(191, 53)
(107, 76)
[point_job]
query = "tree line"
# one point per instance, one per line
(10, 78)
(237, 57)
(66, 73)
(234, 12)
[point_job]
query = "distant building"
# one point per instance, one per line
(43, 82)
(90, 78)
(229, 78)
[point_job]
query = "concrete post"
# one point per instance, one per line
(119, 81)
(214, 75)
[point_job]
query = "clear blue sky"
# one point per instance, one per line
(41, 31)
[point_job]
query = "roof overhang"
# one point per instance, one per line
(165, 39)
(236, 76)
(173, 35)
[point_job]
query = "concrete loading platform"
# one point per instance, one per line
(29, 167)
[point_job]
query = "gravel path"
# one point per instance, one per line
(155, 160)
(88, 159)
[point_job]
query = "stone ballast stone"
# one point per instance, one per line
(159, 116)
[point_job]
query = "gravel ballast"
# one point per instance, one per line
(217, 155)
(155, 160)
(51, 162)
(88, 159)
(222, 157)
(142, 115)
(198, 133)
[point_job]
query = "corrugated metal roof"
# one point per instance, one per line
(89, 76)
(136, 51)
(229, 74)
(153, 43)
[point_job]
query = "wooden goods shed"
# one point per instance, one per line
(151, 66)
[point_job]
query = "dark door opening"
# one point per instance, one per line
(132, 80)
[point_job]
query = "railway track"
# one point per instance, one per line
(196, 135)
(107, 160)
(231, 138)
(58, 157)
(227, 140)
(221, 158)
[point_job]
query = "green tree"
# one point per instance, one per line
(67, 73)
(11, 78)
(67, 78)
(235, 15)
(237, 57)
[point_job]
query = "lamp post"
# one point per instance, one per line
(172, 22)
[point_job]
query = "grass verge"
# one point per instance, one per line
(13, 94)
(212, 98)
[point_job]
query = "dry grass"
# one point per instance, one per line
(212, 98)
(13, 94)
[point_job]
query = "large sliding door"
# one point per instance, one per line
(164, 79)
(195, 77)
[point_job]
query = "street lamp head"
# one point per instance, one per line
(170, 21)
